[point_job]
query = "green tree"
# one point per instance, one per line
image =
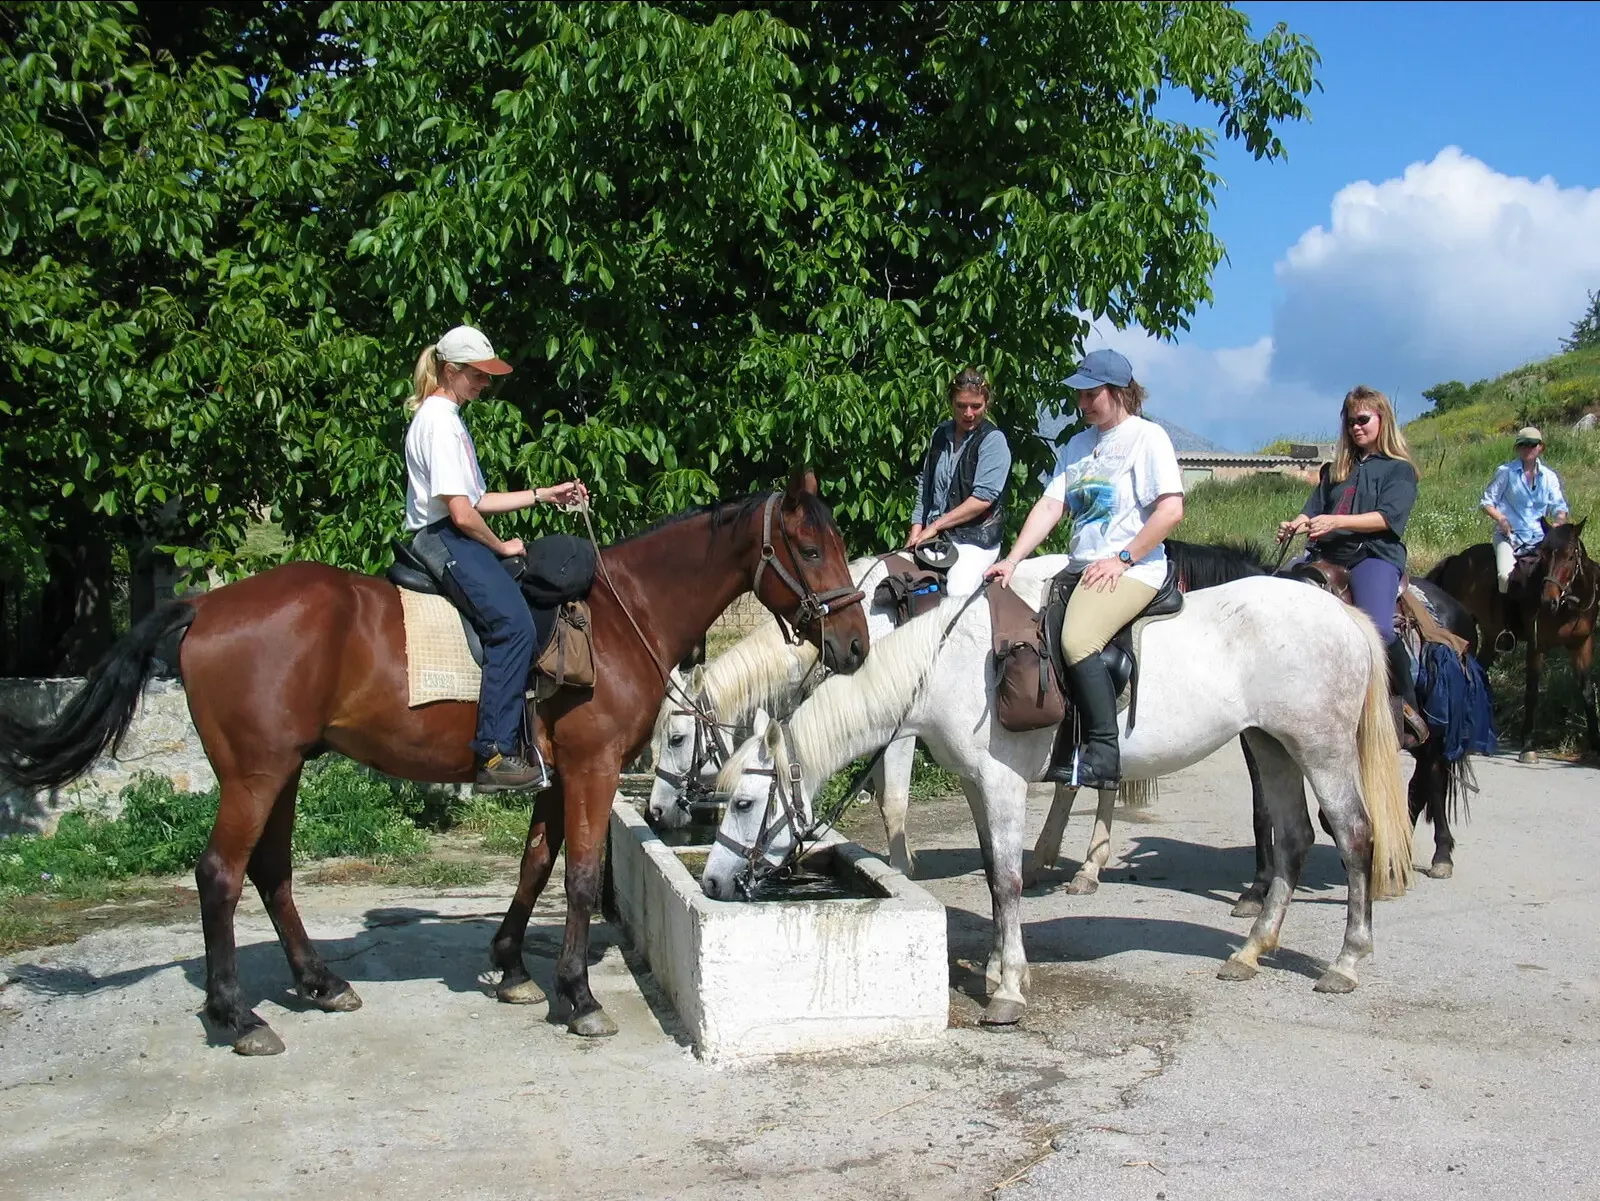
(1586, 329)
(713, 239)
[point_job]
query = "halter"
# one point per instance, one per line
(710, 747)
(814, 607)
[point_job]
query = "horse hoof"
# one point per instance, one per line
(526, 993)
(1083, 886)
(1441, 871)
(258, 1040)
(1335, 981)
(347, 1000)
(1002, 1012)
(596, 1023)
(1528, 757)
(1237, 969)
(1247, 907)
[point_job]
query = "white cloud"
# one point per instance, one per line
(1452, 271)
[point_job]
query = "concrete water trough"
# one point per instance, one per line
(771, 977)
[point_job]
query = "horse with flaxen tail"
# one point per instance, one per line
(306, 658)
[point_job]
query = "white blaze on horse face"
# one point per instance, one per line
(674, 753)
(751, 803)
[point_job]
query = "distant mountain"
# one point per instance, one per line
(1188, 440)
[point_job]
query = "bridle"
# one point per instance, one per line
(814, 607)
(710, 747)
(1564, 592)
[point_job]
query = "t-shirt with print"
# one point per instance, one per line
(1109, 483)
(440, 461)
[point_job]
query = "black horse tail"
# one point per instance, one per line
(59, 751)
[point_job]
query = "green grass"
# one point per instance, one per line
(502, 828)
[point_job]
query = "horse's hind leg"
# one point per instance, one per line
(1583, 668)
(1336, 783)
(271, 870)
(1048, 848)
(1429, 793)
(545, 829)
(1250, 900)
(1087, 878)
(246, 803)
(892, 777)
(1283, 792)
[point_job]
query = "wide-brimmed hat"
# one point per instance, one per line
(1102, 367)
(936, 554)
(467, 346)
(1529, 435)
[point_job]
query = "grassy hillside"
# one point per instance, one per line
(1457, 450)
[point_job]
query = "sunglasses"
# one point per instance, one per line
(1359, 419)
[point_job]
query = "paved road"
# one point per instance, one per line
(1466, 1065)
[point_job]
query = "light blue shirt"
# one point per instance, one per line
(1523, 504)
(993, 466)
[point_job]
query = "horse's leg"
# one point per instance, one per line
(1338, 789)
(271, 870)
(1530, 701)
(1087, 879)
(1583, 668)
(1429, 793)
(1048, 849)
(1283, 792)
(893, 779)
(999, 808)
(1250, 900)
(587, 803)
(539, 852)
(980, 821)
(246, 802)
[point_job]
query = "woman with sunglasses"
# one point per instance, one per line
(446, 496)
(1354, 518)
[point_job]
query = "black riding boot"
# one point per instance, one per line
(1099, 759)
(1413, 728)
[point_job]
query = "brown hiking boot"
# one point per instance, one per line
(509, 773)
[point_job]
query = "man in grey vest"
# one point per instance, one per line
(963, 487)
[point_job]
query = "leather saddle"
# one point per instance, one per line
(411, 572)
(1120, 654)
(913, 585)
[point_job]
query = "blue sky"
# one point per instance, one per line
(1453, 264)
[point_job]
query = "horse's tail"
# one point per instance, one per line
(1378, 754)
(1138, 794)
(50, 755)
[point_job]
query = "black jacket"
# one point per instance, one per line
(1383, 485)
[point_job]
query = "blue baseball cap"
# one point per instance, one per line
(1102, 367)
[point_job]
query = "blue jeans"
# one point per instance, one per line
(509, 641)
(1375, 584)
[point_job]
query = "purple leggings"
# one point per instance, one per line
(1375, 584)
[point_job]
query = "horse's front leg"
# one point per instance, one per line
(892, 778)
(1000, 808)
(1087, 879)
(1429, 793)
(1583, 668)
(545, 829)
(588, 814)
(1530, 701)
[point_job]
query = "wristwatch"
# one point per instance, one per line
(1125, 558)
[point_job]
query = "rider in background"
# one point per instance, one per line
(1121, 481)
(964, 478)
(1354, 518)
(1521, 492)
(445, 494)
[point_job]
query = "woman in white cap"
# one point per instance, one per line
(446, 495)
(1522, 492)
(1121, 481)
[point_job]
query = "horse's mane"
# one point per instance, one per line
(1202, 565)
(762, 670)
(813, 511)
(850, 715)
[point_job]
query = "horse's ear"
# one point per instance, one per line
(802, 479)
(697, 680)
(773, 736)
(1544, 525)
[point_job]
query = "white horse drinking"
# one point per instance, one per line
(1302, 675)
(764, 674)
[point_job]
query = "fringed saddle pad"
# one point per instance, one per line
(439, 666)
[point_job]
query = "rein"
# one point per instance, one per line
(786, 792)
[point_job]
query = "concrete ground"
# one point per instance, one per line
(1465, 1066)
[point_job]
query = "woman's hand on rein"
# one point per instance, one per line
(1288, 529)
(1102, 575)
(1322, 525)
(570, 493)
(1001, 572)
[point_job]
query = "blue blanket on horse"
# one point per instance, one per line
(1454, 692)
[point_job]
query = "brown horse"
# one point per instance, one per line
(1558, 607)
(307, 658)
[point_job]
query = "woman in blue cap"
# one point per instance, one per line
(1121, 481)
(446, 495)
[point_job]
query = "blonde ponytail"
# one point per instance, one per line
(425, 379)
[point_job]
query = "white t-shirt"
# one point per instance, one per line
(440, 461)
(1109, 483)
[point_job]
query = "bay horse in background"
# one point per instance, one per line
(1438, 787)
(304, 659)
(1557, 607)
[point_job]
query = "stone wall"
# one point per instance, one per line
(162, 740)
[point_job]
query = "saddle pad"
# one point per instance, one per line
(439, 666)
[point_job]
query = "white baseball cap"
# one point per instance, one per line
(467, 345)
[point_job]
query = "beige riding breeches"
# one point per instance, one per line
(1093, 618)
(1505, 558)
